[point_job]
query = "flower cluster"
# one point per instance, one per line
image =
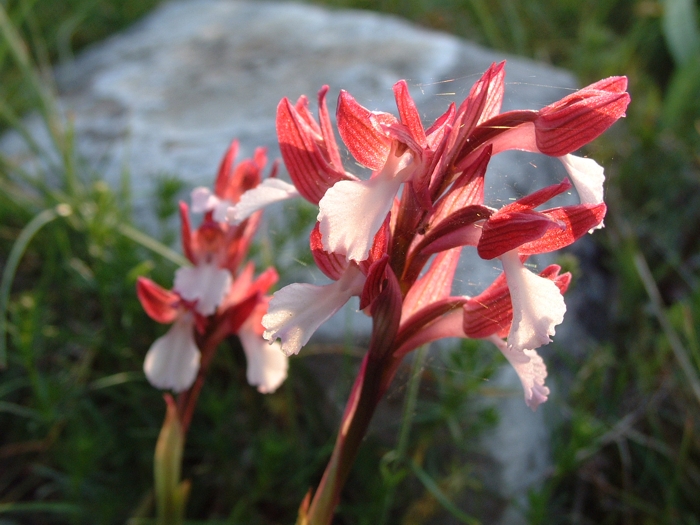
(217, 295)
(394, 240)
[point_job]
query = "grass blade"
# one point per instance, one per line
(432, 487)
(8, 274)
(153, 245)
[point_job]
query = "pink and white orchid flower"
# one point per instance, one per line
(425, 199)
(213, 298)
(442, 209)
(172, 361)
(296, 311)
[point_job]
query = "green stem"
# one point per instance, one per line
(409, 407)
(187, 401)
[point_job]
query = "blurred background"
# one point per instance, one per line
(77, 431)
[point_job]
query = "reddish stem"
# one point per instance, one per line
(187, 400)
(371, 384)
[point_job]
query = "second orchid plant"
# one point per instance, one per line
(217, 296)
(394, 240)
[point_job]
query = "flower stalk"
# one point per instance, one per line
(170, 493)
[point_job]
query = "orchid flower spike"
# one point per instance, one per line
(426, 190)
(214, 298)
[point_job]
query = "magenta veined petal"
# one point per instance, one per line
(577, 220)
(160, 304)
(505, 231)
(362, 132)
(434, 285)
(309, 159)
(579, 118)
(172, 362)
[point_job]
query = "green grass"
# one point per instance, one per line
(78, 421)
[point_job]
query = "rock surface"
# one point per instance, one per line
(169, 94)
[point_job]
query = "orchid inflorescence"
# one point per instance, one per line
(218, 295)
(424, 202)
(394, 240)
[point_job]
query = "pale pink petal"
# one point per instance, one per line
(267, 364)
(530, 369)
(296, 311)
(205, 283)
(203, 200)
(538, 305)
(520, 137)
(267, 192)
(172, 362)
(587, 176)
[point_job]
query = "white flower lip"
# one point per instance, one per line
(296, 311)
(531, 371)
(538, 305)
(172, 362)
(267, 364)
(351, 212)
(267, 192)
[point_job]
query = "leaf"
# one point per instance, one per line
(681, 104)
(680, 27)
